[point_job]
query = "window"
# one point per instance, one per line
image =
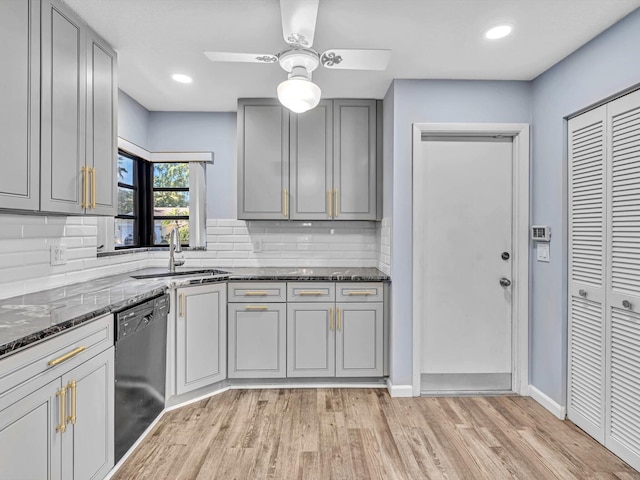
(155, 197)
(170, 201)
(127, 220)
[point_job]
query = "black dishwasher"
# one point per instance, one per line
(140, 370)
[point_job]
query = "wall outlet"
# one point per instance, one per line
(58, 255)
(542, 252)
(257, 245)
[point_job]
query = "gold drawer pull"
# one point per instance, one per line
(285, 201)
(62, 399)
(360, 292)
(330, 202)
(331, 321)
(66, 356)
(311, 292)
(92, 173)
(85, 187)
(256, 294)
(181, 305)
(256, 307)
(72, 386)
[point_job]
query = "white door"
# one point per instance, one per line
(463, 217)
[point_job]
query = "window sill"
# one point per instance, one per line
(124, 251)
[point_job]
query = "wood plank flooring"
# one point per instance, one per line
(365, 434)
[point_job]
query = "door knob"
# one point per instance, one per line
(505, 256)
(505, 282)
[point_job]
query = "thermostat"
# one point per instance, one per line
(541, 233)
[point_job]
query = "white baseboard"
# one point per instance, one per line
(559, 411)
(399, 391)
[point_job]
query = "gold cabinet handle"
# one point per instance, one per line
(330, 202)
(92, 173)
(256, 307)
(339, 323)
(62, 400)
(66, 356)
(255, 294)
(181, 305)
(311, 292)
(285, 201)
(85, 187)
(72, 387)
(335, 204)
(360, 292)
(331, 321)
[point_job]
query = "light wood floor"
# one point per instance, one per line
(365, 434)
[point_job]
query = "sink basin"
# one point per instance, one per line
(164, 272)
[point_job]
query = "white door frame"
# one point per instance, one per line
(520, 286)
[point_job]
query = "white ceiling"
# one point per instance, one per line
(427, 38)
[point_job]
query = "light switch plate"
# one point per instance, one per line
(58, 255)
(542, 252)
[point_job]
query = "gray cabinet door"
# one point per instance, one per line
(201, 337)
(30, 446)
(88, 448)
(354, 159)
(63, 109)
(263, 160)
(311, 159)
(20, 104)
(359, 343)
(102, 134)
(311, 340)
(257, 340)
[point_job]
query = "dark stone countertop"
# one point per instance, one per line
(31, 318)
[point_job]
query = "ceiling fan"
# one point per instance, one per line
(298, 93)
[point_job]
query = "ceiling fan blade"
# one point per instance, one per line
(354, 59)
(241, 57)
(299, 21)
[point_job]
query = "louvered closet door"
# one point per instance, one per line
(586, 396)
(623, 274)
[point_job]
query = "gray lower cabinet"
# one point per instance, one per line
(359, 339)
(257, 340)
(311, 341)
(20, 101)
(201, 336)
(32, 443)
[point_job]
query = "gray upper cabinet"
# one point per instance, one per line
(20, 100)
(263, 160)
(355, 160)
(311, 144)
(318, 165)
(101, 138)
(63, 110)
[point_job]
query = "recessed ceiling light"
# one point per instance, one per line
(179, 77)
(498, 32)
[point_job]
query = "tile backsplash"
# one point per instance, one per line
(25, 242)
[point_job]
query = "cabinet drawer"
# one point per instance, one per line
(359, 292)
(311, 292)
(59, 354)
(257, 292)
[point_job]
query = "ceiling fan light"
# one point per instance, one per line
(299, 94)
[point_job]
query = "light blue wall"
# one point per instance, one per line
(202, 131)
(605, 66)
(133, 120)
(437, 101)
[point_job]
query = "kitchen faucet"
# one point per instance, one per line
(174, 247)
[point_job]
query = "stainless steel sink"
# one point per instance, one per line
(164, 272)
